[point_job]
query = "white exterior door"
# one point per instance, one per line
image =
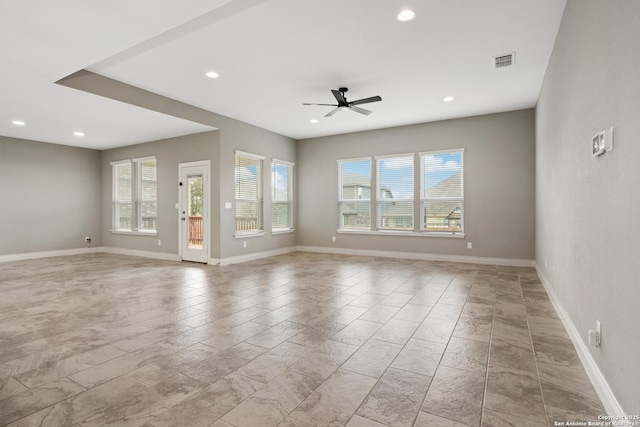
(194, 211)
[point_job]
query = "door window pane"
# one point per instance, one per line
(194, 190)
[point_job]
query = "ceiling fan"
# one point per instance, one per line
(343, 104)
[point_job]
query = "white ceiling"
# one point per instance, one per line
(272, 55)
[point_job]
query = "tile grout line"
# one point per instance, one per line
(334, 371)
(389, 366)
(486, 378)
(445, 348)
(165, 301)
(535, 358)
(385, 371)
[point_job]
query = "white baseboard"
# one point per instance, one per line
(274, 252)
(421, 256)
(256, 255)
(144, 254)
(609, 401)
(48, 254)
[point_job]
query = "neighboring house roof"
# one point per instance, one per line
(347, 209)
(359, 180)
(443, 209)
(395, 209)
(449, 187)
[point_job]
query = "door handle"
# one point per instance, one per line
(183, 219)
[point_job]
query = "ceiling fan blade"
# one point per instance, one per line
(332, 112)
(360, 110)
(339, 97)
(328, 105)
(366, 100)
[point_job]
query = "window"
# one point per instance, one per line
(147, 194)
(395, 192)
(122, 196)
(439, 203)
(354, 200)
(248, 177)
(442, 192)
(281, 195)
(135, 205)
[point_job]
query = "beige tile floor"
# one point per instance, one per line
(295, 340)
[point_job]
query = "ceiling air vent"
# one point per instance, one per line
(506, 60)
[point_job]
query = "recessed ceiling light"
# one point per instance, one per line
(314, 121)
(18, 123)
(78, 133)
(406, 15)
(212, 75)
(448, 98)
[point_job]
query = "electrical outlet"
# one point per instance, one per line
(159, 242)
(87, 239)
(333, 238)
(469, 245)
(244, 244)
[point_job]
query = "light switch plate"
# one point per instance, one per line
(602, 142)
(227, 205)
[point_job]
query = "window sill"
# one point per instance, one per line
(249, 234)
(283, 231)
(135, 233)
(402, 233)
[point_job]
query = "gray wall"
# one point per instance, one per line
(233, 135)
(169, 152)
(236, 135)
(499, 184)
(50, 196)
(587, 208)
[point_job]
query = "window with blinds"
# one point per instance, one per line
(147, 204)
(122, 196)
(248, 178)
(135, 206)
(442, 191)
(395, 192)
(281, 195)
(354, 198)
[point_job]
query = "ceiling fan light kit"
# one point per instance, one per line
(343, 104)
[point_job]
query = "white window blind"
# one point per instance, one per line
(442, 192)
(135, 206)
(395, 198)
(354, 201)
(147, 204)
(281, 195)
(122, 196)
(248, 178)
